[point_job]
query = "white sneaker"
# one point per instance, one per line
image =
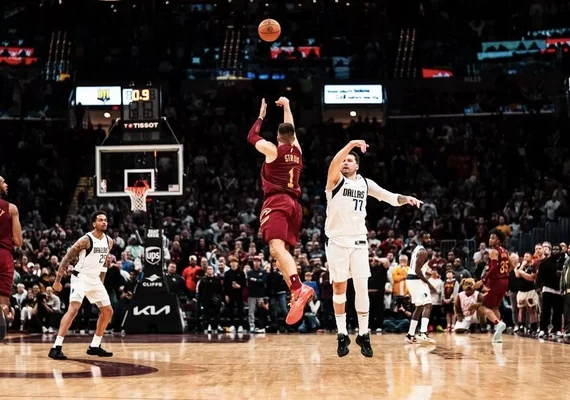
(233, 329)
(44, 329)
(220, 328)
(516, 329)
(51, 331)
(240, 329)
(259, 330)
(541, 334)
(252, 330)
(379, 330)
(209, 328)
(558, 334)
(499, 329)
(424, 338)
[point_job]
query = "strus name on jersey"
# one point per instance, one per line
(100, 250)
(354, 193)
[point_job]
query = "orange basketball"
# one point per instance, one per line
(269, 30)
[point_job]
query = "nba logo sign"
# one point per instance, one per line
(103, 186)
(103, 95)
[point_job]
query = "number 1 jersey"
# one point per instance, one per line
(345, 225)
(282, 174)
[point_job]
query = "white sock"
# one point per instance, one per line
(96, 342)
(424, 326)
(362, 324)
(58, 341)
(413, 326)
(341, 323)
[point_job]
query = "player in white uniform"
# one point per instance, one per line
(347, 247)
(420, 289)
(87, 281)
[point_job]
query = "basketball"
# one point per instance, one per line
(269, 30)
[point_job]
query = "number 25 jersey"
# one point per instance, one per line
(345, 225)
(282, 174)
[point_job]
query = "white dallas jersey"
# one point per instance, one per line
(345, 225)
(92, 261)
(425, 268)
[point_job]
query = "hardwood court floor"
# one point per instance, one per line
(284, 367)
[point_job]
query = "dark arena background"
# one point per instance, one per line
(464, 105)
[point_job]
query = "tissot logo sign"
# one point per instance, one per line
(151, 310)
(153, 255)
(153, 281)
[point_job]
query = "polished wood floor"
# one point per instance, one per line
(284, 367)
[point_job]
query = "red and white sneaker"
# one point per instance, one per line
(299, 299)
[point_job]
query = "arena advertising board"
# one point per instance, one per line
(98, 95)
(353, 94)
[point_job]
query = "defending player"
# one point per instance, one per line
(347, 247)
(497, 281)
(10, 236)
(420, 290)
(87, 281)
(281, 214)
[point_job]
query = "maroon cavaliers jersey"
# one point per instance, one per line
(5, 226)
(282, 175)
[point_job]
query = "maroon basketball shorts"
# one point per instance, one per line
(281, 217)
(6, 272)
(497, 290)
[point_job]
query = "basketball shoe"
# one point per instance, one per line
(56, 353)
(364, 342)
(299, 299)
(424, 338)
(343, 342)
(98, 351)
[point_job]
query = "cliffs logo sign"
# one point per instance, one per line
(153, 281)
(153, 255)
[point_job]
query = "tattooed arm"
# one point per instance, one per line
(107, 261)
(393, 199)
(81, 244)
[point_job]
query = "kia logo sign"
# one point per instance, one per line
(153, 255)
(151, 310)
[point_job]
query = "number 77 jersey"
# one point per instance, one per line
(345, 225)
(281, 176)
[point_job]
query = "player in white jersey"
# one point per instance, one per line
(420, 289)
(87, 281)
(347, 246)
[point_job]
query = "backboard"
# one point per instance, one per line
(161, 165)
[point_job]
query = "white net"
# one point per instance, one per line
(138, 197)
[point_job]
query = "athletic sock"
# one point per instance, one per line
(424, 325)
(58, 341)
(96, 342)
(341, 323)
(363, 324)
(413, 327)
(295, 282)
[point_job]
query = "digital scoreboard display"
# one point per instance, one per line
(141, 114)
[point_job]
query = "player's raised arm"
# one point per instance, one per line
(288, 116)
(334, 172)
(393, 199)
(268, 149)
(16, 226)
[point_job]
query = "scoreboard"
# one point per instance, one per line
(141, 108)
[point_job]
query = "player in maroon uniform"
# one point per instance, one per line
(496, 280)
(10, 236)
(281, 214)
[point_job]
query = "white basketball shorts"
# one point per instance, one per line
(84, 286)
(347, 262)
(419, 290)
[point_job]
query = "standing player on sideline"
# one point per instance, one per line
(281, 215)
(420, 290)
(347, 247)
(10, 236)
(87, 281)
(497, 281)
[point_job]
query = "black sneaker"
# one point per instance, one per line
(364, 342)
(98, 351)
(3, 324)
(343, 342)
(56, 353)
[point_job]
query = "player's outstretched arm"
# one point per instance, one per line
(333, 176)
(268, 149)
(16, 226)
(288, 115)
(393, 199)
(81, 244)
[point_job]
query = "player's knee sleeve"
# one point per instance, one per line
(339, 298)
(361, 299)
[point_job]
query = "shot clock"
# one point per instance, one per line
(141, 114)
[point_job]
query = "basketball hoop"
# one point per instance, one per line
(138, 194)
